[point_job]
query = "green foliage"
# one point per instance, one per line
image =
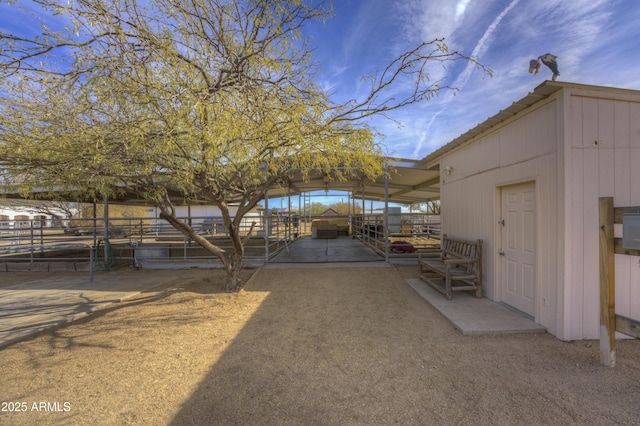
(430, 207)
(316, 209)
(344, 208)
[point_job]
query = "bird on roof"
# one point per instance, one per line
(549, 60)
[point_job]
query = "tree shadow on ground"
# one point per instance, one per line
(358, 346)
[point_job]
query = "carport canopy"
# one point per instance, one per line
(409, 181)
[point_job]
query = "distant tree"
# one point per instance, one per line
(344, 208)
(433, 207)
(430, 207)
(118, 211)
(314, 209)
(59, 210)
(414, 207)
(207, 100)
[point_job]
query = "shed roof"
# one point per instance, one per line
(541, 92)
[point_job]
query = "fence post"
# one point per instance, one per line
(607, 284)
(31, 237)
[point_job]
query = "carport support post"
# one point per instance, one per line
(289, 222)
(354, 220)
(364, 206)
(267, 225)
(106, 228)
(190, 222)
(301, 216)
(95, 224)
(386, 213)
(90, 264)
(607, 284)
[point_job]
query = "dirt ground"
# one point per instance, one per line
(305, 346)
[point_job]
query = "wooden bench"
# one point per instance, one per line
(457, 266)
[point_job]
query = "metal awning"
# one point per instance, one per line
(409, 181)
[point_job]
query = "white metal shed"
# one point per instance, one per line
(527, 181)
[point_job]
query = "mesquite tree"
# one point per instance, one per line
(211, 100)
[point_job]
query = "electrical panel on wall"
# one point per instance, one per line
(631, 231)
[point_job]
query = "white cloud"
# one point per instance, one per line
(461, 7)
(591, 41)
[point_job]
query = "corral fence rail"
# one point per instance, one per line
(38, 240)
(407, 233)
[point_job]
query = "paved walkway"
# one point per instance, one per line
(341, 249)
(474, 316)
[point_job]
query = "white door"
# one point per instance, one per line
(518, 252)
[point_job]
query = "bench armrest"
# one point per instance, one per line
(429, 253)
(459, 261)
(429, 249)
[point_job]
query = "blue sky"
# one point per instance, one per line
(597, 42)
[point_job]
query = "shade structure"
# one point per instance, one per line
(408, 181)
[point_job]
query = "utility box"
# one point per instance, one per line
(631, 231)
(149, 252)
(394, 219)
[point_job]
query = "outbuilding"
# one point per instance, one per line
(528, 181)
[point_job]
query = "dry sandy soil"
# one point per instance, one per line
(316, 346)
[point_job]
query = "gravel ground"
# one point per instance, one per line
(325, 346)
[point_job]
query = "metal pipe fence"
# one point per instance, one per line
(37, 240)
(414, 231)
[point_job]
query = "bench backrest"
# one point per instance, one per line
(460, 249)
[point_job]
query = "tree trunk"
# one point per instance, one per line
(233, 283)
(231, 260)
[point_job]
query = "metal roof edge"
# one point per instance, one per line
(541, 92)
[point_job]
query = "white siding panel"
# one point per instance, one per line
(634, 176)
(605, 123)
(529, 137)
(549, 240)
(575, 269)
(509, 147)
(591, 298)
(532, 133)
(575, 121)
(589, 122)
(621, 126)
(606, 172)
(622, 177)
(634, 291)
(634, 125)
(551, 126)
